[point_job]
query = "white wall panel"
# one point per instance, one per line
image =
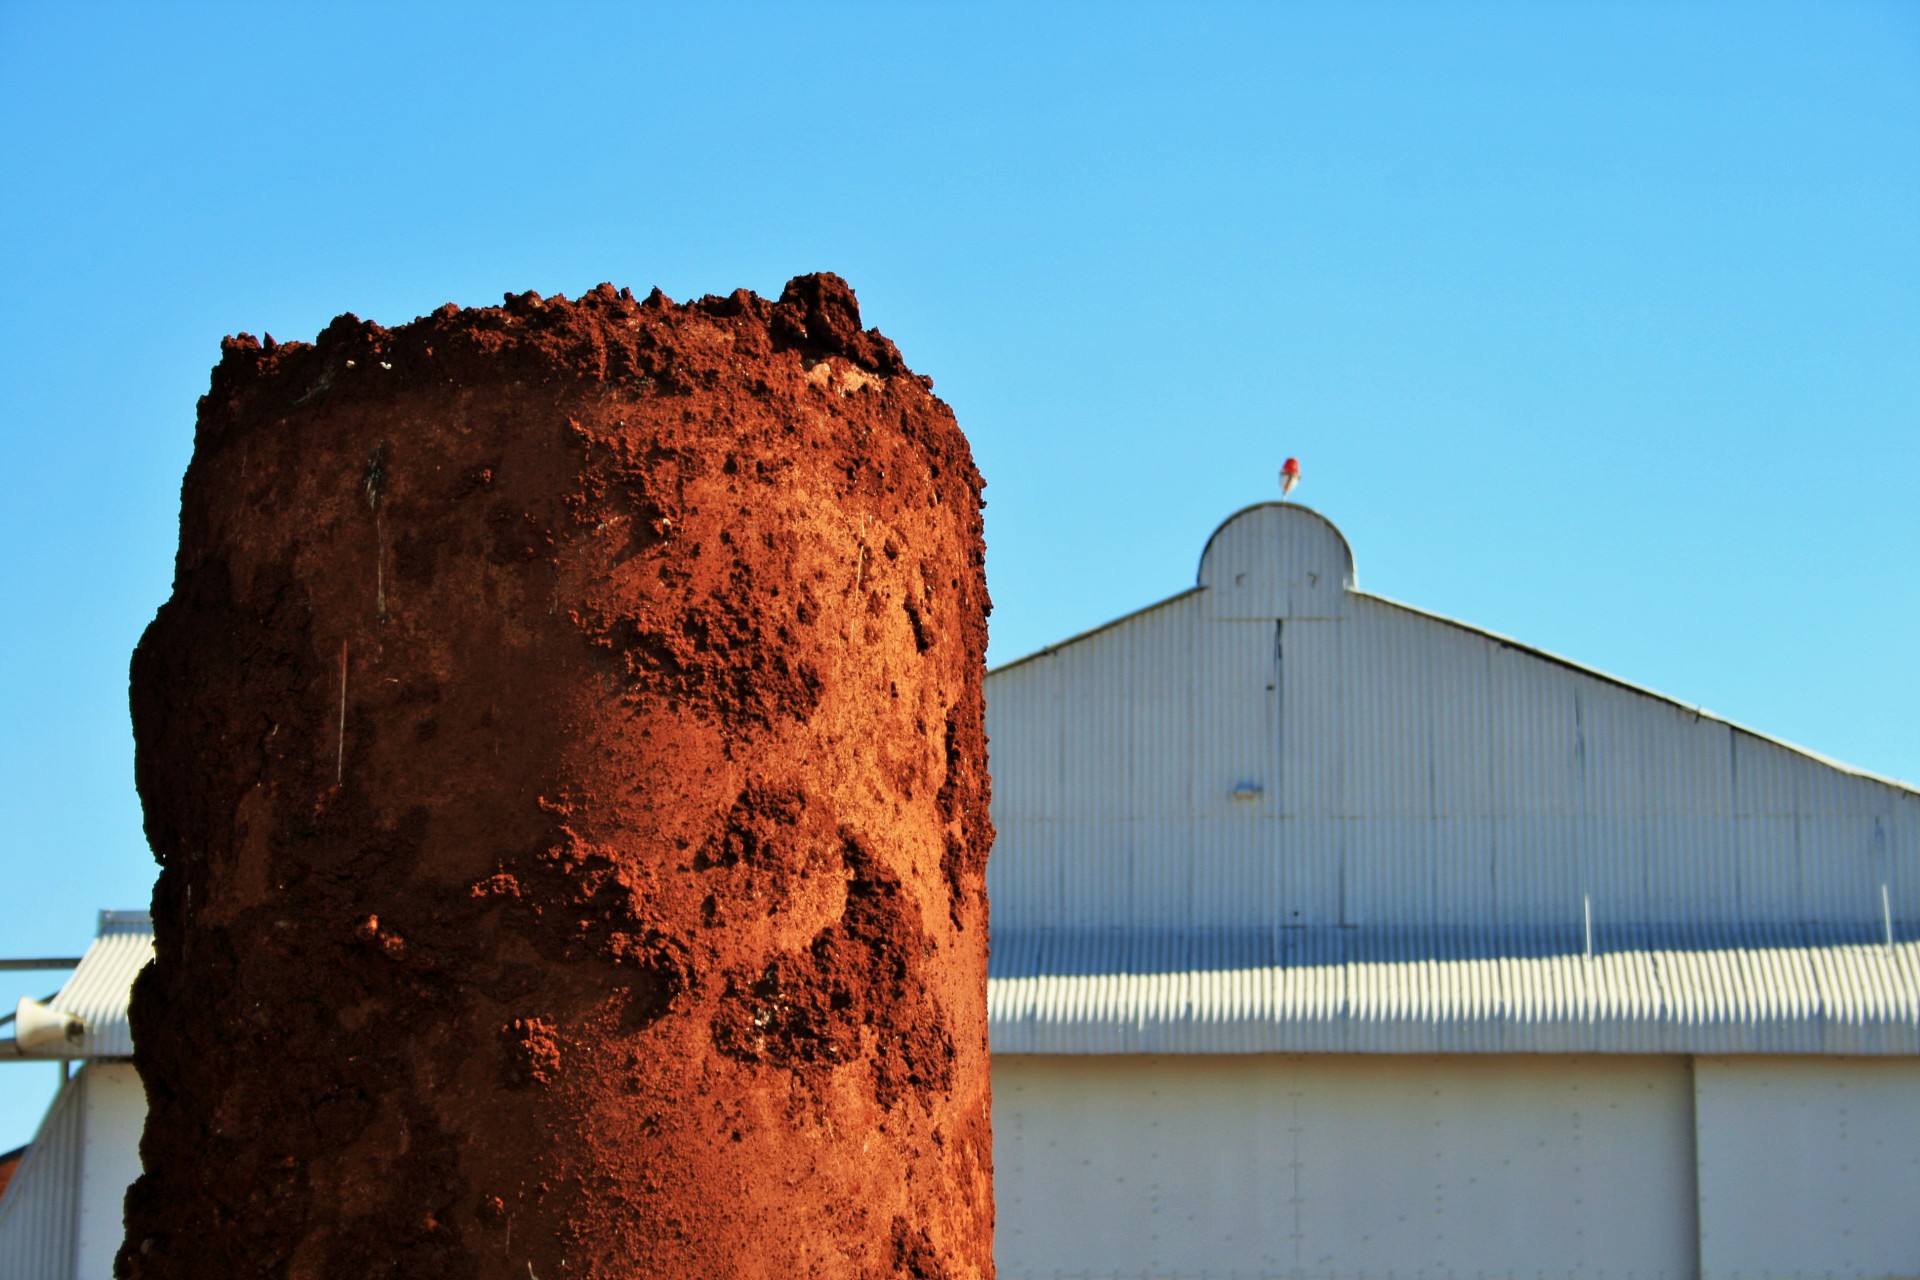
(115, 1112)
(1808, 1166)
(1338, 1166)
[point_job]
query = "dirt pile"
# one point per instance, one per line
(563, 749)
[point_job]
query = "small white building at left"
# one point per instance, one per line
(61, 1212)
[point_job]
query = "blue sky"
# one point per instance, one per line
(1594, 324)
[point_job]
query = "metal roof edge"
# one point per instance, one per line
(1699, 712)
(1090, 632)
(112, 921)
(1234, 1039)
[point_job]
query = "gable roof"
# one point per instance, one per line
(1505, 641)
(1275, 813)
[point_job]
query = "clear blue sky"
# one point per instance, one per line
(1594, 324)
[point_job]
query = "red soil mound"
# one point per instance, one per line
(563, 749)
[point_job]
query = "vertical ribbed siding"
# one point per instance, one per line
(1310, 843)
(1534, 751)
(1458, 669)
(40, 1212)
(1398, 770)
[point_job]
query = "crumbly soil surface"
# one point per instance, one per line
(563, 748)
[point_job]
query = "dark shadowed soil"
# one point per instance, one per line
(563, 749)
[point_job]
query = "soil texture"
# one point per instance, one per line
(563, 748)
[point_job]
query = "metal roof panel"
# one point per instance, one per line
(1693, 990)
(98, 991)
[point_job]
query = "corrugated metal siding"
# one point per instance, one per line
(97, 991)
(1815, 989)
(40, 1214)
(1276, 749)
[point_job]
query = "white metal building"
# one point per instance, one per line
(61, 1217)
(1333, 938)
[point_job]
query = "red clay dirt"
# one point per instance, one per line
(564, 752)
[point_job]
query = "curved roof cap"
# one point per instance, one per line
(1276, 560)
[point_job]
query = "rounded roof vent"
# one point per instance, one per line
(1276, 560)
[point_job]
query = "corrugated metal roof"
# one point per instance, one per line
(39, 1216)
(1275, 752)
(1808, 990)
(98, 990)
